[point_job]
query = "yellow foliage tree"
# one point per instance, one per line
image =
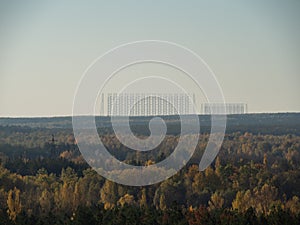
(242, 201)
(143, 200)
(265, 198)
(216, 201)
(126, 199)
(14, 203)
(45, 202)
(293, 205)
(108, 194)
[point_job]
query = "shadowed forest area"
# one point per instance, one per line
(255, 178)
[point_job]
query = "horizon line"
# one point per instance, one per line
(60, 116)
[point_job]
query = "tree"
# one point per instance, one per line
(14, 203)
(108, 194)
(143, 200)
(45, 202)
(216, 201)
(162, 202)
(212, 181)
(265, 198)
(3, 198)
(293, 205)
(218, 166)
(199, 183)
(127, 199)
(265, 162)
(89, 187)
(242, 201)
(76, 198)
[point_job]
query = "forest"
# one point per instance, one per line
(255, 178)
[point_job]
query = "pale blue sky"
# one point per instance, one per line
(45, 46)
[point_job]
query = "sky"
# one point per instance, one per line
(45, 47)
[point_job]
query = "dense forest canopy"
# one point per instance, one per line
(254, 180)
(264, 123)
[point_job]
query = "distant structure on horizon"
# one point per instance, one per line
(218, 108)
(142, 104)
(155, 104)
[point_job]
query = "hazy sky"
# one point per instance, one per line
(253, 47)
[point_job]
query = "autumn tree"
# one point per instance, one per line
(242, 201)
(143, 200)
(127, 199)
(265, 198)
(109, 194)
(293, 205)
(216, 201)
(46, 202)
(14, 204)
